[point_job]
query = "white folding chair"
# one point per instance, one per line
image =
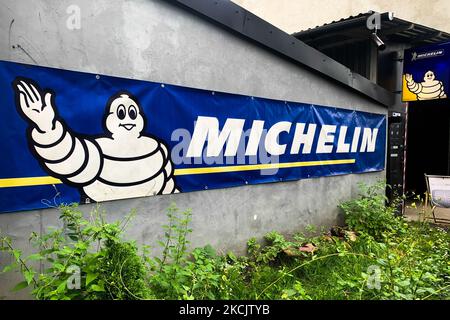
(438, 195)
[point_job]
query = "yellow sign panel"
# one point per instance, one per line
(428, 88)
(406, 94)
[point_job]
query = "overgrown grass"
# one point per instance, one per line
(377, 256)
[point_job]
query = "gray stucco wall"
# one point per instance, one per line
(156, 41)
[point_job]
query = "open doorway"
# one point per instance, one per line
(427, 149)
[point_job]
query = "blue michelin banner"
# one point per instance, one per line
(69, 136)
(426, 73)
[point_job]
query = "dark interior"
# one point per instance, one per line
(428, 142)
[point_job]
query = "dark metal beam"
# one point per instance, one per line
(323, 45)
(429, 36)
(394, 30)
(244, 23)
(328, 39)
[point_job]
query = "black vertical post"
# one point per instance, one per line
(395, 157)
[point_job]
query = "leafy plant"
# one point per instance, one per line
(86, 259)
(376, 256)
(369, 213)
(169, 276)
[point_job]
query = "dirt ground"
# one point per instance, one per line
(419, 212)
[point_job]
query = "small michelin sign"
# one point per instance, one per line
(426, 74)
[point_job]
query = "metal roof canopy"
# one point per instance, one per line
(235, 18)
(354, 29)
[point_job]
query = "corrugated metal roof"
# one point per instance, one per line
(336, 21)
(354, 28)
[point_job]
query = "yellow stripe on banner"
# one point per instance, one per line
(181, 172)
(24, 182)
(37, 181)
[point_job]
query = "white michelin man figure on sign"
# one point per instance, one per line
(124, 163)
(430, 88)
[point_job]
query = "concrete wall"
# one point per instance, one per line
(156, 41)
(289, 15)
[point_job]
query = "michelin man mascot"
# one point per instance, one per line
(430, 88)
(125, 163)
